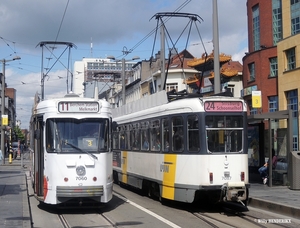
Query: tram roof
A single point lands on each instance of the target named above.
(163, 101)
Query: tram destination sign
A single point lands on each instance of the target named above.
(223, 106)
(76, 107)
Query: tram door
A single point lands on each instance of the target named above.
(39, 157)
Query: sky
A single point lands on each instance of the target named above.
(101, 28)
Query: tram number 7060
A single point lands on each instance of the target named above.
(81, 178)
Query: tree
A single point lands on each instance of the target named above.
(18, 134)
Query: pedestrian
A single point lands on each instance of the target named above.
(22, 148)
(265, 168)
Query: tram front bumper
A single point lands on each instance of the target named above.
(82, 191)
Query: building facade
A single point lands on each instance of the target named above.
(97, 69)
(230, 75)
(260, 63)
(272, 64)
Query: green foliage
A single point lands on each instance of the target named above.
(18, 133)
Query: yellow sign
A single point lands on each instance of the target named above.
(4, 120)
(256, 99)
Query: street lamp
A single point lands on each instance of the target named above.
(123, 73)
(3, 104)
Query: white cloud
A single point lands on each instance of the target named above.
(111, 25)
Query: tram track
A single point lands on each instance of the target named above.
(225, 218)
(103, 220)
(63, 221)
(207, 216)
(113, 224)
(245, 220)
(213, 221)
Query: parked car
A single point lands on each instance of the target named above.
(15, 148)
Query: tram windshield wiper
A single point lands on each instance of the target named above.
(72, 145)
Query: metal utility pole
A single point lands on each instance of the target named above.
(217, 81)
(2, 114)
(162, 53)
(123, 81)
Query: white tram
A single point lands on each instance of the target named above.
(72, 154)
(183, 149)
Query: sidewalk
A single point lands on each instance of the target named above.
(14, 205)
(278, 199)
(15, 208)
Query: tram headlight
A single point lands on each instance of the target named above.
(80, 170)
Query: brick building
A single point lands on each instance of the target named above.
(272, 64)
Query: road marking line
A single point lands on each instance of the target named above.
(148, 211)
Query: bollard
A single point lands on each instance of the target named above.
(10, 158)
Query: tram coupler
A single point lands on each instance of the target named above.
(233, 191)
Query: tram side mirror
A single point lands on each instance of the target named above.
(114, 125)
(37, 134)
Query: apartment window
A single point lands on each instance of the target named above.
(292, 103)
(101, 66)
(291, 59)
(295, 143)
(171, 86)
(277, 20)
(295, 16)
(273, 103)
(255, 24)
(89, 66)
(251, 68)
(294, 1)
(273, 67)
(231, 89)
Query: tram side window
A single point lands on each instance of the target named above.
(165, 135)
(122, 140)
(145, 136)
(178, 135)
(52, 142)
(116, 144)
(193, 134)
(103, 134)
(127, 138)
(155, 135)
(135, 137)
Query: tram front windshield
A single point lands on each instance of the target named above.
(224, 133)
(67, 135)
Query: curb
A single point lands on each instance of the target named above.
(27, 220)
(292, 212)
